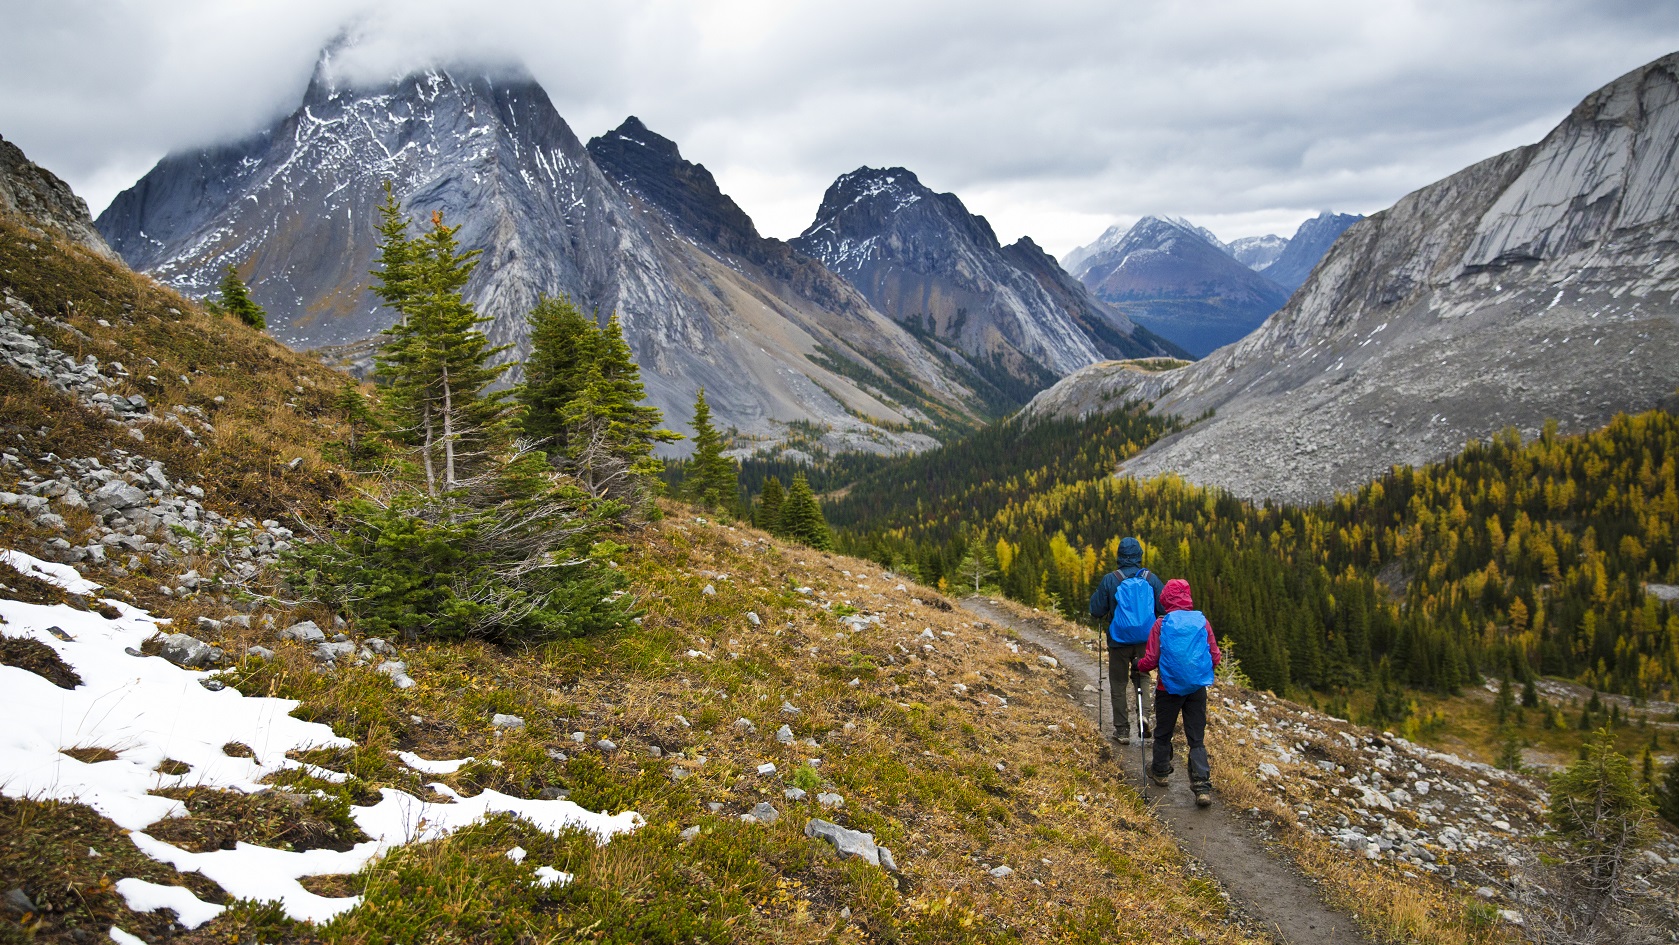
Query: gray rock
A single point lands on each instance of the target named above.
(830, 800)
(507, 722)
(398, 673)
(260, 652)
(607, 745)
(18, 901)
(333, 652)
(794, 794)
(690, 832)
(554, 793)
(767, 768)
(188, 652)
(766, 813)
(784, 735)
(709, 591)
(303, 632)
(1000, 872)
(847, 842)
(379, 646)
(787, 708)
(744, 725)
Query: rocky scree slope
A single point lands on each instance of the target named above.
(1537, 284)
(1173, 280)
(293, 207)
(924, 260)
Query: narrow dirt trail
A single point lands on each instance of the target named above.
(1265, 886)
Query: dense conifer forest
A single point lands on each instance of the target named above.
(1510, 560)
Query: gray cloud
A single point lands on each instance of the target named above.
(1053, 119)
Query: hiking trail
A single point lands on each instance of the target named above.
(1228, 845)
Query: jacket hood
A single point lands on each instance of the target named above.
(1175, 596)
(1130, 553)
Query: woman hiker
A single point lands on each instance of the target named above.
(1126, 601)
(1182, 646)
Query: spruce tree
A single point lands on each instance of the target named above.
(1667, 794)
(767, 515)
(801, 516)
(712, 477)
(618, 431)
(1598, 808)
(564, 343)
(438, 363)
(236, 300)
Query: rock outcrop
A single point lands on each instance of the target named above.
(1539, 284)
(37, 196)
(293, 208)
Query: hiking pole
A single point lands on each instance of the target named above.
(1142, 732)
(1099, 648)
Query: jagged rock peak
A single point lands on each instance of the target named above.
(38, 197)
(652, 167)
(1308, 246)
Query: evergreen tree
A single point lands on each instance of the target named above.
(437, 362)
(564, 342)
(1598, 808)
(1504, 702)
(1530, 694)
(767, 515)
(1667, 794)
(713, 478)
(801, 516)
(235, 299)
(610, 433)
(360, 445)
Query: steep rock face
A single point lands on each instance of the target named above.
(37, 196)
(1258, 252)
(1314, 237)
(1535, 285)
(293, 208)
(845, 334)
(1167, 277)
(921, 258)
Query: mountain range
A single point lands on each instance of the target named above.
(624, 225)
(1537, 285)
(1181, 282)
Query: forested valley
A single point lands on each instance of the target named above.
(1511, 561)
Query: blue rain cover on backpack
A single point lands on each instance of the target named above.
(1133, 609)
(1186, 663)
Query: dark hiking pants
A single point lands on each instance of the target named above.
(1121, 657)
(1194, 710)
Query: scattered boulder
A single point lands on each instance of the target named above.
(849, 842)
(507, 723)
(745, 726)
(784, 735)
(189, 652)
(398, 673)
(333, 652)
(830, 800)
(304, 632)
(765, 813)
(1000, 872)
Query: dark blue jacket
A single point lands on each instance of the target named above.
(1130, 559)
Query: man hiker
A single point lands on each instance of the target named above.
(1126, 601)
(1182, 645)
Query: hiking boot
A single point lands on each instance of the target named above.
(1122, 738)
(1203, 797)
(1161, 778)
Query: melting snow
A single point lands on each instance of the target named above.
(148, 710)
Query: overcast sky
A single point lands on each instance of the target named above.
(1054, 119)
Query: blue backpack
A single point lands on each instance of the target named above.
(1186, 663)
(1133, 609)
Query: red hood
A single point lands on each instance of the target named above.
(1175, 596)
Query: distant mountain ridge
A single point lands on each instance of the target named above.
(292, 207)
(1308, 245)
(1009, 313)
(1177, 281)
(1536, 285)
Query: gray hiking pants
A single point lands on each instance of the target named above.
(1121, 657)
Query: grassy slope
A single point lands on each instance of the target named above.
(954, 783)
